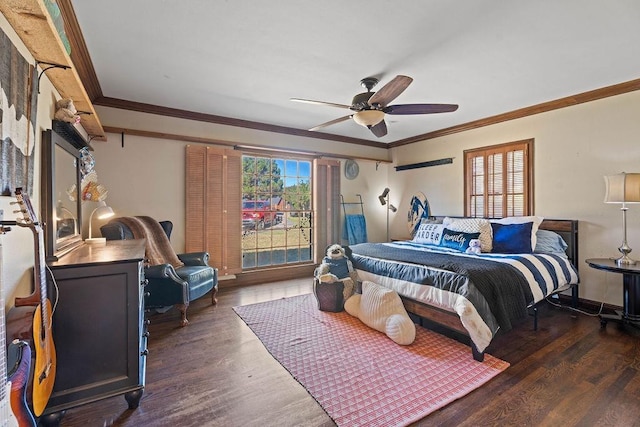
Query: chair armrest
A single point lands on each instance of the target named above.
(195, 258)
(162, 271)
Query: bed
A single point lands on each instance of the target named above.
(476, 295)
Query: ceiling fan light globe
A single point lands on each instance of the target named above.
(368, 118)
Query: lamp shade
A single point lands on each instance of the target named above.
(383, 197)
(622, 188)
(368, 118)
(102, 211)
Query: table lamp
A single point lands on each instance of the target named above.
(623, 188)
(102, 212)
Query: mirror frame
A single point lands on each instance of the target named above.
(55, 248)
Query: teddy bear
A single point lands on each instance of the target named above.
(336, 266)
(381, 308)
(66, 111)
(474, 247)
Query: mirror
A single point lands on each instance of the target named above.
(61, 202)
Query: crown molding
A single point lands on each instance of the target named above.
(592, 95)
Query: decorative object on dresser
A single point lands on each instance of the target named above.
(623, 188)
(174, 279)
(103, 212)
(44, 374)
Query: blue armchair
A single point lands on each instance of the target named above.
(169, 285)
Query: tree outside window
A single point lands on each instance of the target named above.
(276, 211)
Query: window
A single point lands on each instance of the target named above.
(499, 180)
(276, 211)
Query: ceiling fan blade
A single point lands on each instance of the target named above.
(380, 129)
(390, 91)
(420, 108)
(310, 101)
(332, 122)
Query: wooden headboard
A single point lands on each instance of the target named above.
(568, 229)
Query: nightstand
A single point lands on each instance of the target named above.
(630, 313)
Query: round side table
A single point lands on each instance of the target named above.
(630, 313)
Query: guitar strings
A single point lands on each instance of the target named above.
(55, 286)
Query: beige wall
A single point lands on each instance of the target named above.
(574, 148)
(146, 176)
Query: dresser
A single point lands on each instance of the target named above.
(98, 325)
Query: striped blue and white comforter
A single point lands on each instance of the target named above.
(487, 291)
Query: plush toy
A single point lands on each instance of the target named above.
(338, 264)
(381, 308)
(66, 111)
(474, 247)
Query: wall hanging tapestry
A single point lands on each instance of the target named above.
(18, 108)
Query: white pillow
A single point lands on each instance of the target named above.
(472, 225)
(429, 234)
(536, 220)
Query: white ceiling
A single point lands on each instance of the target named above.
(245, 59)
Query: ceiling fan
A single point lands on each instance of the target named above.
(370, 107)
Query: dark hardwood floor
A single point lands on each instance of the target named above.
(215, 372)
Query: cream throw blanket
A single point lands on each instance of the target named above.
(158, 249)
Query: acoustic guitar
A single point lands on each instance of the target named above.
(45, 363)
(14, 411)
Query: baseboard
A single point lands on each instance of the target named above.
(268, 275)
(589, 305)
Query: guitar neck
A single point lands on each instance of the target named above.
(39, 294)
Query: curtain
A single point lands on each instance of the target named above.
(326, 205)
(213, 207)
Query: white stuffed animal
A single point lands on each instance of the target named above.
(381, 308)
(337, 264)
(474, 247)
(66, 111)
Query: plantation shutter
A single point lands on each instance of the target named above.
(326, 205)
(499, 180)
(213, 207)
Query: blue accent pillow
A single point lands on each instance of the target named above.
(512, 238)
(549, 242)
(457, 240)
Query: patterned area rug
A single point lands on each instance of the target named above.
(358, 375)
